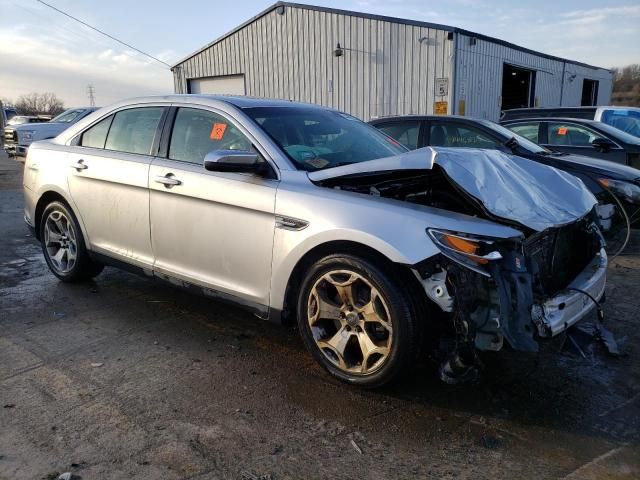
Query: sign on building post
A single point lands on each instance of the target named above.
(442, 87)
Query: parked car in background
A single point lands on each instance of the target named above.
(626, 119)
(599, 176)
(22, 119)
(299, 211)
(6, 113)
(9, 113)
(580, 137)
(18, 138)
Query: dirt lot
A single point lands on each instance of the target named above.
(129, 378)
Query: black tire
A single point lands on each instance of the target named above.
(83, 267)
(391, 287)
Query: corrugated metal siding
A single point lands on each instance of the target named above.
(387, 68)
(573, 77)
(479, 78)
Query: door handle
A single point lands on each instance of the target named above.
(168, 180)
(79, 165)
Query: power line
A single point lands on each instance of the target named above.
(103, 33)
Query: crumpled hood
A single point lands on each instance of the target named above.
(508, 186)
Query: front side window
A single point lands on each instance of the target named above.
(406, 133)
(133, 130)
(453, 135)
(526, 130)
(315, 138)
(96, 136)
(197, 132)
(569, 135)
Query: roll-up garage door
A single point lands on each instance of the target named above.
(224, 85)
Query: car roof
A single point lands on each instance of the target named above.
(209, 99)
(586, 121)
(422, 117)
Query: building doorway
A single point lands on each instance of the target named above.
(518, 87)
(589, 93)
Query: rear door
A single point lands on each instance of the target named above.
(577, 139)
(213, 229)
(108, 181)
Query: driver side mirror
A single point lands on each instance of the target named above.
(239, 161)
(602, 145)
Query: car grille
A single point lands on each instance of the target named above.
(560, 254)
(10, 136)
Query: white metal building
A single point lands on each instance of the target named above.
(372, 66)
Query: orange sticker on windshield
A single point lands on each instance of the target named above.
(562, 131)
(217, 132)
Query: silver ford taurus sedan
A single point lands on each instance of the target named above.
(302, 212)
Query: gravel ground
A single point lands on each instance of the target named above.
(125, 377)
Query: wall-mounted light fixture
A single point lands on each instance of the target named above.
(339, 51)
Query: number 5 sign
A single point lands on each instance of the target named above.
(442, 87)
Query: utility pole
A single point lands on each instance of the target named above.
(91, 91)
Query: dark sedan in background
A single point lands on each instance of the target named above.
(581, 137)
(599, 176)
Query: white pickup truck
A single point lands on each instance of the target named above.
(17, 138)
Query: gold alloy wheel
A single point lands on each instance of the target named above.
(350, 322)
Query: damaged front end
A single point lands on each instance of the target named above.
(521, 290)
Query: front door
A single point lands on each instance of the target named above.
(211, 229)
(108, 181)
(577, 139)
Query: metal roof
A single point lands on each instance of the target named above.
(384, 18)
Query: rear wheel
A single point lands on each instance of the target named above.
(63, 245)
(357, 321)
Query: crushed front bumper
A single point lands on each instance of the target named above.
(568, 307)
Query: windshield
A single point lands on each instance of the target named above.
(625, 121)
(17, 120)
(315, 139)
(69, 116)
(618, 134)
(526, 144)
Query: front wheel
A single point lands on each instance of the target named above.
(63, 245)
(357, 321)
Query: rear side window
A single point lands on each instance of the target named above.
(96, 136)
(526, 130)
(444, 134)
(133, 130)
(569, 135)
(407, 133)
(197, 132)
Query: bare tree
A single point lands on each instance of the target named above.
(40, 104)
(626, 85)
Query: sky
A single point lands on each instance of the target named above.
(43, 51)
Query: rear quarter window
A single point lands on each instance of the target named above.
(133, 130)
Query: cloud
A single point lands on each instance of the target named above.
(41, 51)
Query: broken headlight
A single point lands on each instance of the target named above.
(468, 250)
(626, 190)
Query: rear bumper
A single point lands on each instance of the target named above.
(569, 307)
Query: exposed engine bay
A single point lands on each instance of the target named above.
(521, 290)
